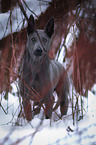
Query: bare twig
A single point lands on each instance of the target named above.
(22, 9)
(29, 9)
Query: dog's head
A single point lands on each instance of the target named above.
(38, 42)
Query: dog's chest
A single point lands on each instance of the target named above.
(39, 80)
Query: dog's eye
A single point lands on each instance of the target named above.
(44, 40)
(33, 39)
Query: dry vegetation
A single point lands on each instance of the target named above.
(81, 54)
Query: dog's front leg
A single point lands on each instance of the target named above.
(27, 109)
(25, 83)
(49, 107)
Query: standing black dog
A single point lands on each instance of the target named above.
(41, 76)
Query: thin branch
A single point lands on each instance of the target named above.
(6, 27)
(29, 8)
(22, 9)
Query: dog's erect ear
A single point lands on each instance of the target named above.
(50, 27)
(31, 25)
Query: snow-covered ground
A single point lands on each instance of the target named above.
(60, 132)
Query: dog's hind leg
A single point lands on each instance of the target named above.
(63, 102)
(62, 91)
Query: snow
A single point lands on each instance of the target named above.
(82, 133)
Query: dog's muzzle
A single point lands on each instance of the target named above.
(38, 52)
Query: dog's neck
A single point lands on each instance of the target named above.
(40, 66)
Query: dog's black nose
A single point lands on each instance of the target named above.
(38, 52)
